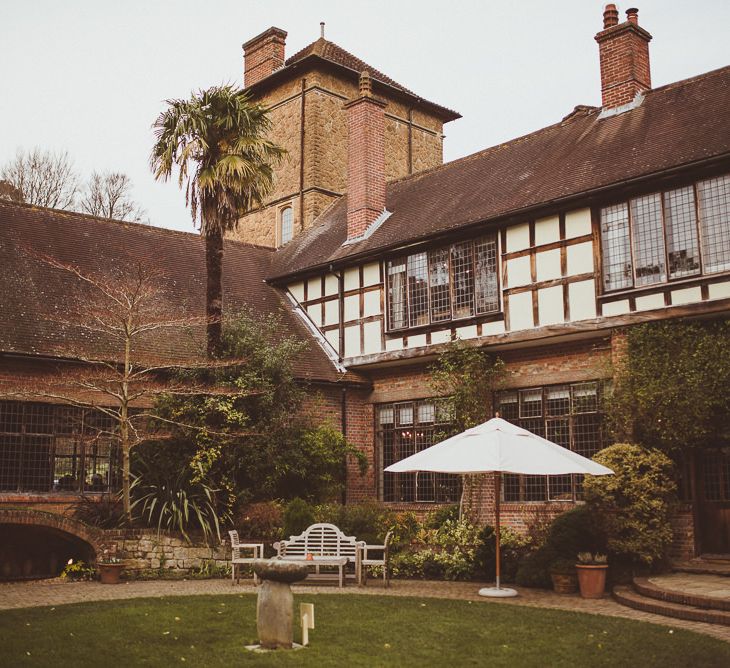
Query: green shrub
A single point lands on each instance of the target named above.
(563, 566)
(633, 506)
(534, 570)
(437, 518)
(262, 521)
(105, 511)
(78, 570)
(368, 521)
(513, 548)
(298, 515)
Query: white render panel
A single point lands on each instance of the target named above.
(333, 336)
(371, 303)
(371, 337)
(518, 237)
(550, 305)
(686, 296)
(580, 258)
(394, 344)
(619, 307)
(582, 300)
(416, 340)
(352, 341)
(314, 288)
(520, 311)
(352, 278)
(330, 285)
(719, 290)
(371, 274)
(332, 312)
(648, 302)
(492, 328)
(297, 291)
(352, 307)
(518, 272)
(442, 336)
(547, 230)
(468, 332)
(547, 265)
(315, 314)
(577, 223)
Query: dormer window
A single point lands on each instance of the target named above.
(444, 284)
(286, 225)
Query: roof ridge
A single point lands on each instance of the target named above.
(692, 79)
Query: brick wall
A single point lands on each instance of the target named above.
(263, 55)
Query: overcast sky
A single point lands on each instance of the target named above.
(90, 76)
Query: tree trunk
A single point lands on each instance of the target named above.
(214, 290)
(126, 485)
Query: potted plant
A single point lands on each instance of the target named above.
(563, 575)
(110, 569)
(591, 569)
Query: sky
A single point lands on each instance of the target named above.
(90, 76)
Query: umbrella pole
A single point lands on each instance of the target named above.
(497, 494)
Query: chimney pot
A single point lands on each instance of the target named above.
(632, 14)
(610, 16)
(366, 84)
(321, 29)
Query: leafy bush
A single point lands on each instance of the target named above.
(263, 521)
(438, 517)
(105, 511)
(563, 566)
(78, 570)
(571, 532)
(513, 548)
(368, 521)
(298, 515)
(634, 505)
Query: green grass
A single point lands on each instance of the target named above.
(350, 630)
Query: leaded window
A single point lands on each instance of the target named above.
(451, 283)
(287, 224)
(402, 429)
(55, 448)
(664, 236)
(568, 415)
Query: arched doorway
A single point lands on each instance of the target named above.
(36, 544)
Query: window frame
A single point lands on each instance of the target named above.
(449, 286)
(280, 224)
(667, 219)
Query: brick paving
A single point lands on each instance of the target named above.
(56, 592)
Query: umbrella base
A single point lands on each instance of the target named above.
(497, 592)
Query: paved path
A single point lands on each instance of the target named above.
(55, 592)
(713, 586)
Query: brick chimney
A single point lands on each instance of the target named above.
(263, 55)
(624, 54)
(365, 159)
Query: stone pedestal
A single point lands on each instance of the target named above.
(275, 604)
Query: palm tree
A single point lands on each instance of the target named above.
(217, 141)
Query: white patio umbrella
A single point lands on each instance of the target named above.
(498, 446)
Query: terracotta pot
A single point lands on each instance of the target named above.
(592, 579)
(109, 573)
(564, 583)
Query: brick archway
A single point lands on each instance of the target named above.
(91, 535)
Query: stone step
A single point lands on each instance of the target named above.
(627, 596)
(646, 587)
(702, 567)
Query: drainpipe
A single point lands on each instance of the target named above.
(343, 424)
(410, 140)
(301, 159)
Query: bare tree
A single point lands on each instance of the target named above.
(108, 195)
(43, 178)
(126, 318)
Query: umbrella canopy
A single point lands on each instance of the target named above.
(498, 446)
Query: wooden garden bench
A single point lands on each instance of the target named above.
(323, 546)
(243, 554)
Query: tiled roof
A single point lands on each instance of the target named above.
(335, 54)
(33, 294)
(677, 125)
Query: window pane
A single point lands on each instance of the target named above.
(511, 487)
(557, 400)
(397, 316)
(646, 223)
(485, 256)
(462, 272)
(287, 224)
(530, 403)
(681, 225)
(438, 261)
(617, 270)
(10, 449)
(714, 201)
(418, 289)
(508, 406)
(585, 397)
(587, 439)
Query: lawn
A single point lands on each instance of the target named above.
(351, 630)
